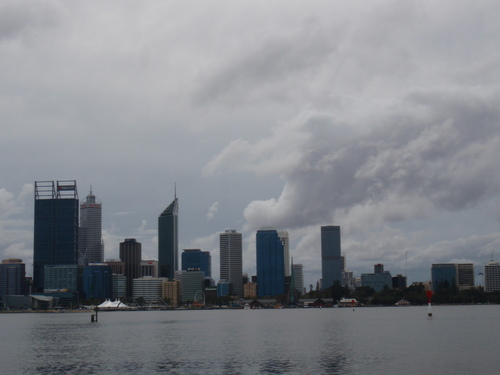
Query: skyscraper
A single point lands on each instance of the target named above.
(231, 261)
(492, 277)
(452, 276)
(197, 259)
(55, 227)
(444, 276)
(130, 255)
(12, 277)
(283, 235)
(270, 263)
(90, 244)
(168, 241)
(98, 281)
(298, 277)
(331, 260)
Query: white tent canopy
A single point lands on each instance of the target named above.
(108, 304)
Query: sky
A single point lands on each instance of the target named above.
(378, 116)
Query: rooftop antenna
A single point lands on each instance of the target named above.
(175, 190)
(90, 189)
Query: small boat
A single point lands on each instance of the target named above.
(402, 302)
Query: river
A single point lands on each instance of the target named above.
(368, 340)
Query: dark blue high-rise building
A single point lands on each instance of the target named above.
(270, 263)
(331, 259)
(98, 281)
(168, 242)
(12, 277)
(196, 259)
(444, 275)
(55, 227)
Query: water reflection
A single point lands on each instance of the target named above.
(276, 366)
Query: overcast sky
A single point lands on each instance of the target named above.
(382, 117)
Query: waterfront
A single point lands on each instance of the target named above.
(390, 340)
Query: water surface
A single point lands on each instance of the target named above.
(390, 340)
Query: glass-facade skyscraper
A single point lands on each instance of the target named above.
(98, 281)
(298, 277)
(283, 235)
(130, 255)
(452, 276)
(197, 259)
(55, 239)
(231, 261)
(90, 244)
(168, 243)
(270, 263)
(331, 259)
(12, 277)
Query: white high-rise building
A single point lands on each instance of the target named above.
(90, 244)
(150, 288)
(348, 279)
(283, 235)
(492, 277)
(231, 261)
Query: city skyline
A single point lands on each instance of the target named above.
(380, 117)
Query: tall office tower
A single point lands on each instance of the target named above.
(168, 241)
(90, 244)
(465, 272)
(196, 259)
(55, 227)
(12, 277)
(298, 277)
(452, 275)
(492, 277)
(283, 235)
(231, 261)
(443, 276)
(331, 260)
(270, 263)
(130, 254)
(98, 281)
(378, 268)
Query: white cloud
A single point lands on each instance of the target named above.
(212, 210)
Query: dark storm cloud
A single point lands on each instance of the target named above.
(266, 64)
(23, 18)
(441, 147)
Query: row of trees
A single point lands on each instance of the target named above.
(415, 294)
